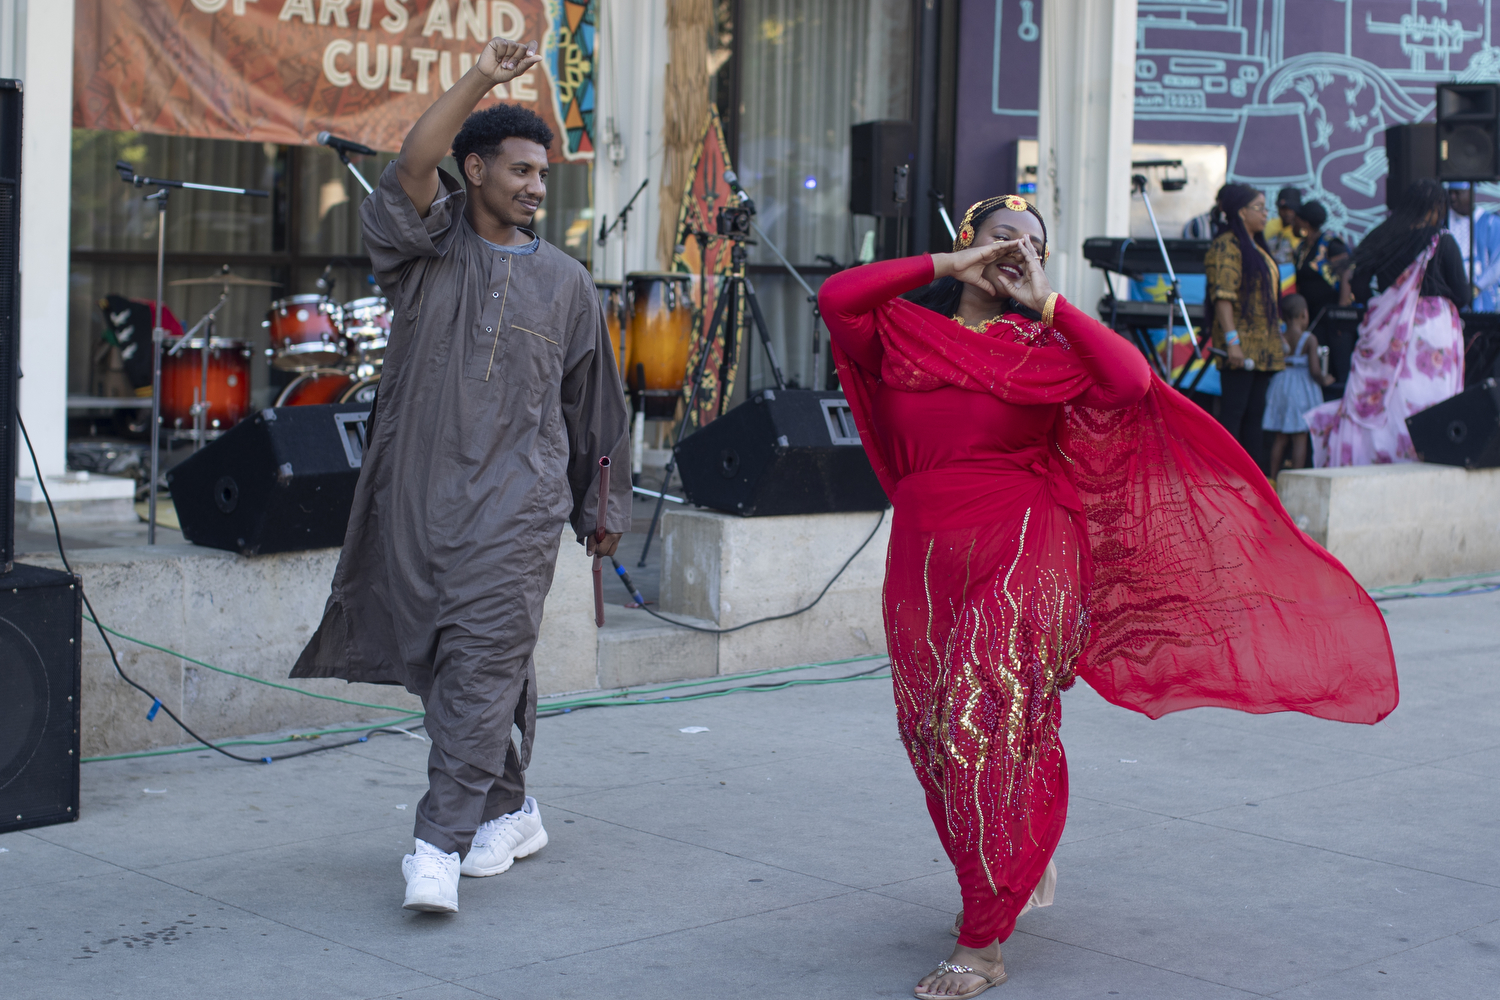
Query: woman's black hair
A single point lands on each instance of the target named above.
(944, 294)
(1256, 277)
(1391, 246)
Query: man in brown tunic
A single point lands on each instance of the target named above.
(499, 395)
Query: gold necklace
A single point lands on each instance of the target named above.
(976, 327)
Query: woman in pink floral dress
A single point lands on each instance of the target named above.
(1410, 350)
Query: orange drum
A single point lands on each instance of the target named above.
(661, 333)
(306, 332)
(327, 385)
(228, 391)
(367, 327)
(617, 319)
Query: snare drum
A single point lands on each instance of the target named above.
(306, 332)
(367, 328)
(661, 334)
(616, 319)
(228, 390)
(328, 385)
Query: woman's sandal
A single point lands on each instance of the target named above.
(962, 970)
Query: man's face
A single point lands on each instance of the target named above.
(512, 184)
(1287, 212)
(1461, 200)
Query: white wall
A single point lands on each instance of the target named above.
(36, 45)
(632, 57)
(1085, 122)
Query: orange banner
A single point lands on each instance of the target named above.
(284, 70)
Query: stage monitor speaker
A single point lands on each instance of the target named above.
(10, 310)
(785, 451)
(1410, 154)
(1464, 430)
(1468, 131)
(41, 621)
(279, 481)
(882, 155)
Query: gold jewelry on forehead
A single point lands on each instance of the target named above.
(1012, 202)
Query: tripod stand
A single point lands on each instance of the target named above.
(736, 293)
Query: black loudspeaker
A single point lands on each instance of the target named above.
(1464, 430)
(882, 156)
(1410, 154)
(785, 451)
(279, 481)
(41, 622)
(10, 308)
(1468, 131)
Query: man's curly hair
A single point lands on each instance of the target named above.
(484, 131)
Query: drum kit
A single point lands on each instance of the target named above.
(336, 350)
(650, 320)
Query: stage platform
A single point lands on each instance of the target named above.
(252, 615)
(1400, 523)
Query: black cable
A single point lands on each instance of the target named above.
(789, 614)
(114, 658)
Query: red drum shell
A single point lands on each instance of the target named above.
(321, 385)
(306, 332)
(228, 383)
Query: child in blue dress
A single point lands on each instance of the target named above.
(1295, 389)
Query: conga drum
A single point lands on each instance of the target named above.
(661, 335)
(227, 391)
(617, 319)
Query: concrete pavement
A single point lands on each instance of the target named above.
(786, 852)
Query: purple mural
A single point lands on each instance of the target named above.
(1297, 92)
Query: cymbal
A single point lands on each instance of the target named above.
(225, 278)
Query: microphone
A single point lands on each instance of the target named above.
(343, 145)
(733, 180)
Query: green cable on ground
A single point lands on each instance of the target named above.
(236, 673)
(1442, 579)
(634, 693)
(668, 699)
(297, 737)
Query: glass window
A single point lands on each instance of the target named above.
(808, 71)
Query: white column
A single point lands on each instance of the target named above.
(1084, 130)
(631, 56)
(45, 60)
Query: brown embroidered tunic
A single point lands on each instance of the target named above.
(498, 397)
(1260, 334)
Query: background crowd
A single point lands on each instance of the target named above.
(1433, 256)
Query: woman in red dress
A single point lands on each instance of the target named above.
(1059, 512)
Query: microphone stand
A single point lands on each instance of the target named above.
(354, 170)
(623, 222)
(159, 332)
(1174, 292)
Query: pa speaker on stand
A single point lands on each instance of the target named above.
(1464, 430)
(1468, 131)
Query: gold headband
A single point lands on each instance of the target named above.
(1010, 202)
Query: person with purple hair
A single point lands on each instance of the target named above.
(1242, 284)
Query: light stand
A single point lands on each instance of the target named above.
(159, 332)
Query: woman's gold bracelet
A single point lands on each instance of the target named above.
(1048, 308)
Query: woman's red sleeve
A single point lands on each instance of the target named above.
(847, 302)
(1119, 371)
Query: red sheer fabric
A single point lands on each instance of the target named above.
(1060, 511)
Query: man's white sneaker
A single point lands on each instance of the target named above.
(501, 841)
(431, 879)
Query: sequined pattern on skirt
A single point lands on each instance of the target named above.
(984, 625)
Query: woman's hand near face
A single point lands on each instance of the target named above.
(969, 266)
(1023, 280)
